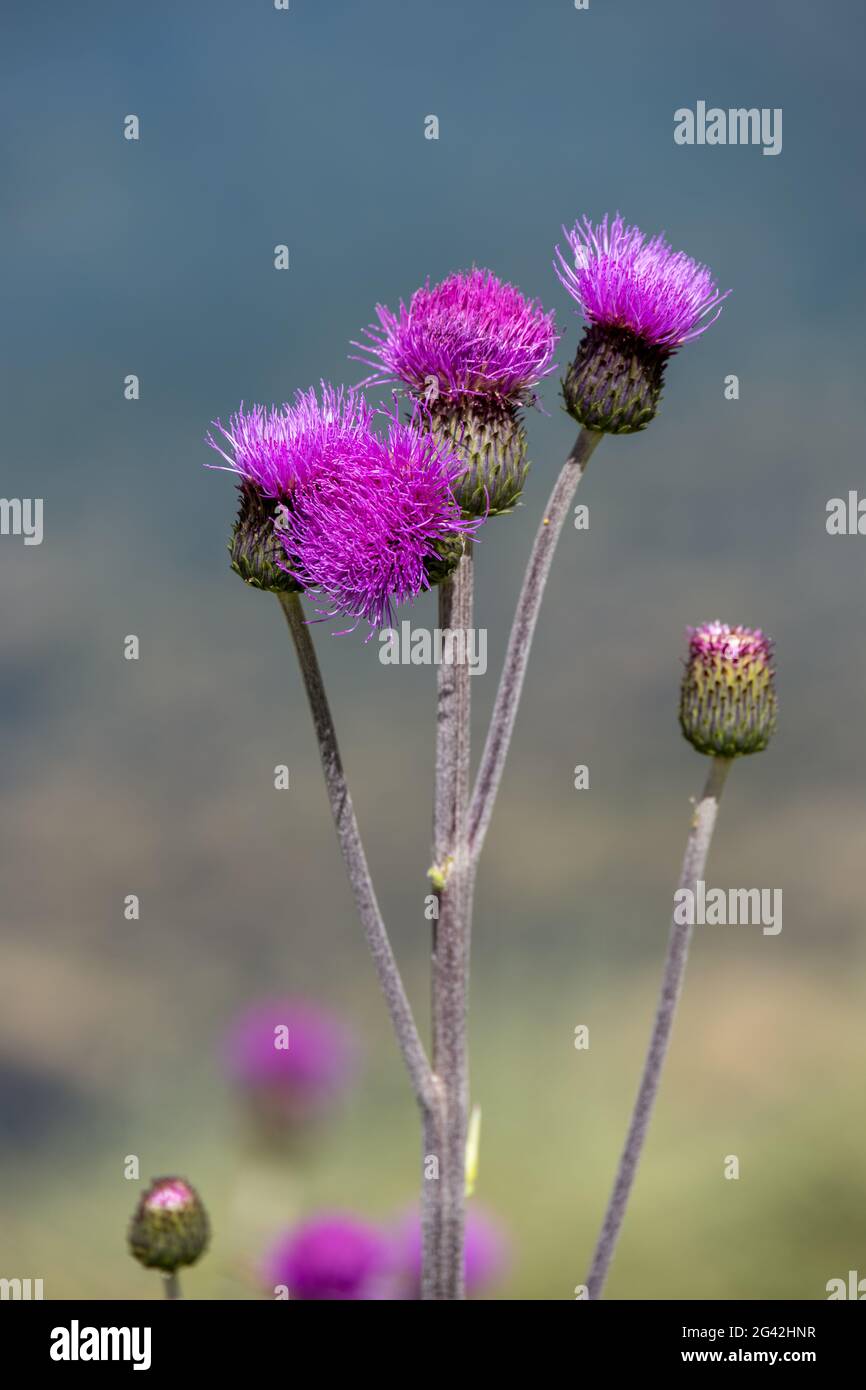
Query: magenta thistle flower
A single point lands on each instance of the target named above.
(642, 301)
(328, 502)
(270, 451)
(333, 1256)
(291, 1059)
(472, 348)
(275, 449)
(485, 1253)
(728, 701)
(382, 526)
(470, 335)
(623, 279)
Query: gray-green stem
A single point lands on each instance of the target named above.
(348, 834)
(520, 640)
(694, 862)
(445, 1196)
(172, 1285)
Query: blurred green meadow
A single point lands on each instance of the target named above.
(766, 1065)
(155, 777)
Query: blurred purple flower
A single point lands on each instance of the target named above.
(486, 1253)
(329, 1256)
(292, 1056)
(470, 335)
(622, 279)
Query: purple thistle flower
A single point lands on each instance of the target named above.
(291, 1059)
(470, 335)
(728, 699)
(275, 449)
(333, 1256)
(472, 348)
(718, 640)
(272, 450)
(328, 503)
(622, 279)
(485, 1253)
(382, 526)
(642, 301)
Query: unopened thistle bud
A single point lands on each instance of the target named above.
(642, 301)
(471, 349)
(728, 699)
(257, 553)
(169, 1227)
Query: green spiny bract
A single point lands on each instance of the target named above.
(488, 434)
(256, 550)
(614, 384)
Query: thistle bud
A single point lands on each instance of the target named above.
(169, 1227)
(257, 552)
(614, 384)
(728, 699)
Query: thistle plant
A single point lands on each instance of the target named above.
(361, 510)
(642, 301)
(472, 349)
(727, 710)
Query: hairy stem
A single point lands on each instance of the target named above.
(520, 640)
(349, 836)
(694, 861)
(446, 1198)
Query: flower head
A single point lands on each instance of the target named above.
(275, 449)
(471, 335)
(330, 502)
(270, 452)
(170, 1226)
(728, 700)
(333, 1256)
(622, 279)
(642, 301)
(290, 1057)
(485, 1253)
(473, 349)
(374, 531)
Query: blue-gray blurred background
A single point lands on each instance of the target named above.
(155, 777)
